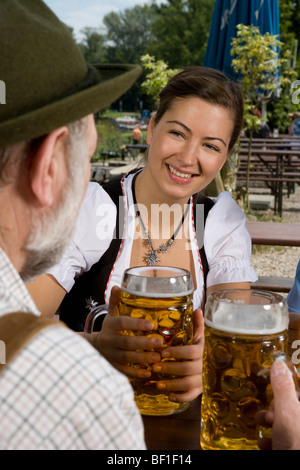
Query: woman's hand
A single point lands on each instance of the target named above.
(120, 349)
(187, 365)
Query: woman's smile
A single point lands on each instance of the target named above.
(179, 176)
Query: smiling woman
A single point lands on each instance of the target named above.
(211, 86)
(198, 120)
(188, 145)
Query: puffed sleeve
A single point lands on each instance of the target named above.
(94, 232)
(227, 243)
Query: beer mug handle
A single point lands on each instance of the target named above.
(95, 312)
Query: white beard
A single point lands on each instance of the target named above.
(51, 233)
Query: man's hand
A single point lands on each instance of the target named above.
(284, 416)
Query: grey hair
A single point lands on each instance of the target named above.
(12, 156)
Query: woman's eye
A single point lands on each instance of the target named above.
(176, 133)
(212, 147)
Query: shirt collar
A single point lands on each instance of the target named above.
(14, 296)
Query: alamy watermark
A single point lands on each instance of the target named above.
(161, 221)
(295, 94)
(2, 353)
(295, 356)
(2, 92)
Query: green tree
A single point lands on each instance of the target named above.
(295, 27)
(129, 33)
(93, 46)
(280, 109)
(71, 30)
(128, 36)
(157, 75)
(180, 31)
(256, 59)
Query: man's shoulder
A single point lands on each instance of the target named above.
(59, 351)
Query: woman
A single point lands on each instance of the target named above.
(198, 120)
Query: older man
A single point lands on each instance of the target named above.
(56, 391)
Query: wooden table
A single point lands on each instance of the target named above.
(180, 431)
(278, 169)
(274, 233)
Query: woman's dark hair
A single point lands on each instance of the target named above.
(209, 85)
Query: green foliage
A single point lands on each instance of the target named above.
(111, 138)
(93, 46)
(256, 60)
(158, 74)
(175, 31)
(129, 33)
(180, 31)
(280, 110)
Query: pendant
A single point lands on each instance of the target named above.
(152, 258)
(163, 248)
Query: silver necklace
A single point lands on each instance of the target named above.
(152, 257)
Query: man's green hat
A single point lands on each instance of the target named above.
(47, 81)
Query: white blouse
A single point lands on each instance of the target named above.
(226, 240)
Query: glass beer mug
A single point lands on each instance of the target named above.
(244, 332)
(162, 295)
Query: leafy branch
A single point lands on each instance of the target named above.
(157, 77)
(259, 65)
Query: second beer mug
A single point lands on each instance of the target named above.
(244, 330)
(162, 295)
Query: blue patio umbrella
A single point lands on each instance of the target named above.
(227, 15)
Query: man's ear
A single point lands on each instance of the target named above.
(47, 162)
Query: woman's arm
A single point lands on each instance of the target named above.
(231, 285)
(47, 294)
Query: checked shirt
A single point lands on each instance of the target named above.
(59, 392)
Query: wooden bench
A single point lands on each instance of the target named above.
(288, 175)
(275, 183)
(282, 141)
(273, 284)
(274, 234)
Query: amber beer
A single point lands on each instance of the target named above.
(241, 342)
(171, 315)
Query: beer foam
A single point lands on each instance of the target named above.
(157, 281)
(156, 295)
(248, 319)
